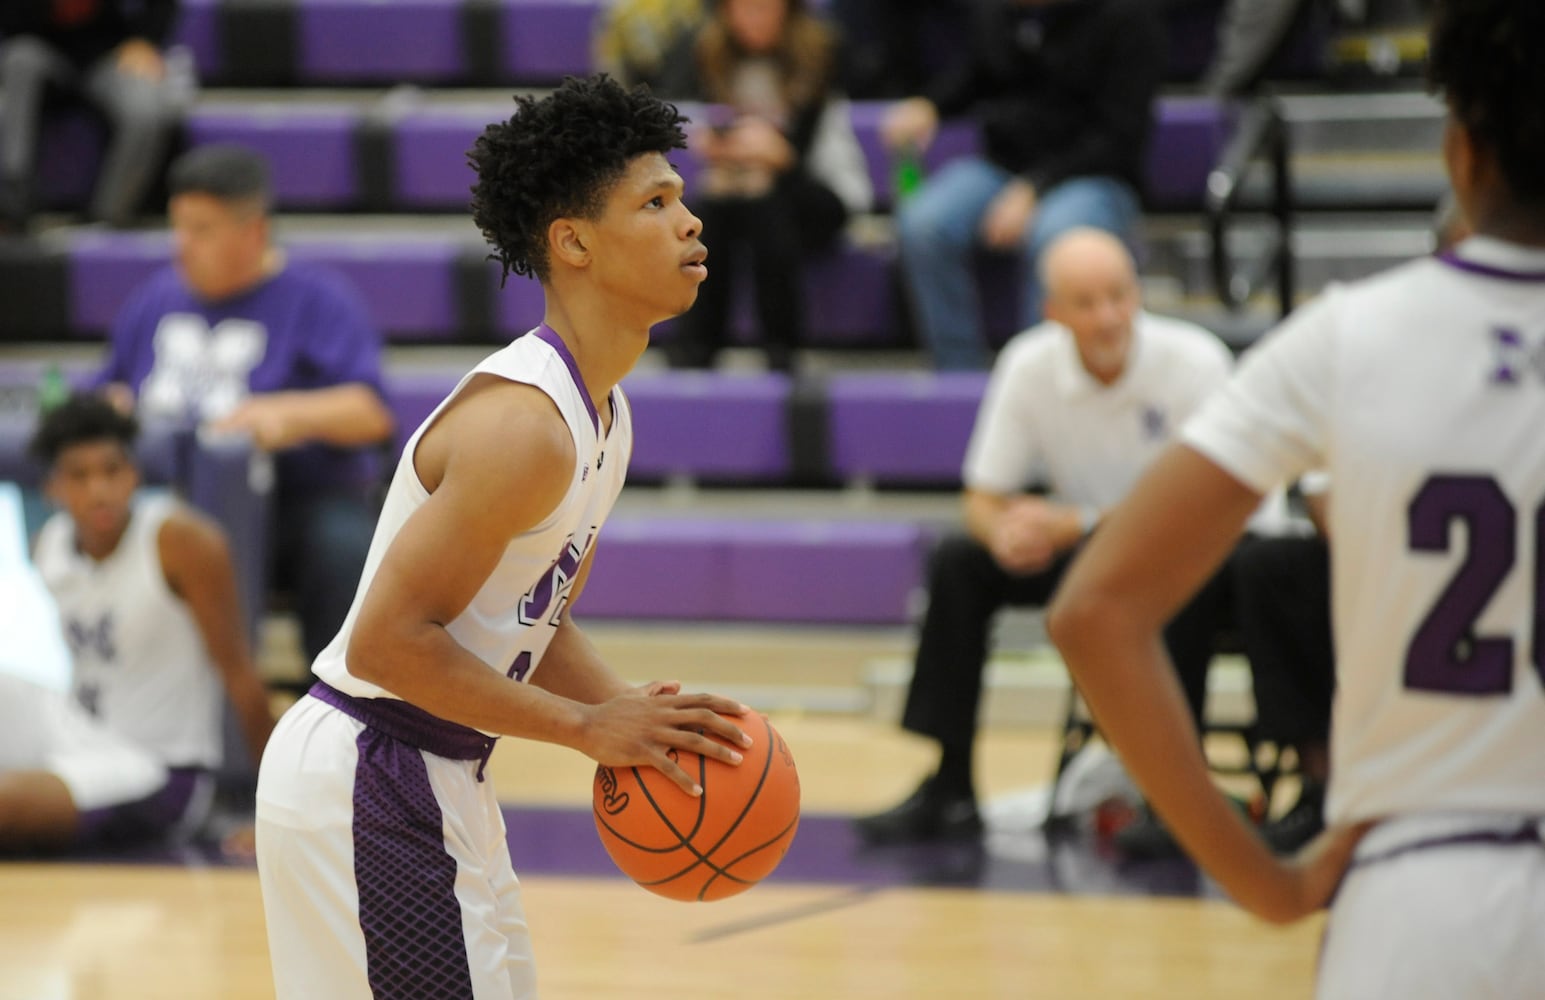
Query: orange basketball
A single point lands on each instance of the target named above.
(710, 846)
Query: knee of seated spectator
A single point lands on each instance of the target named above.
(23, 57)
(958, 558)
(922, 228)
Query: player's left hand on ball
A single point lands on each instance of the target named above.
(641, 728)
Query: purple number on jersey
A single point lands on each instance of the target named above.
(1446, 655)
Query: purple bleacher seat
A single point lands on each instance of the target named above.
(197, 29)
(70, 148)
(904, 427)
(671, 568)
(518, 307)
(408, 280)
(343, 41)
(1188, 138)
(852, 296)
(413, 394)
(546, 40)
(822, 571)
(851, 571)
(430, 147)
(710, 425)
(310, 147)
(104, 269)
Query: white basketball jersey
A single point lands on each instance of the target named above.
(1422, 391)
(511, 619)
(140, 662)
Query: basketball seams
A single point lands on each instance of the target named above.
(678, 884)
(748, 853)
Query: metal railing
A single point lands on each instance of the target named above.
(1260, 140)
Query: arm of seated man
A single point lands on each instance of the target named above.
(346, 416)
(1023, 533)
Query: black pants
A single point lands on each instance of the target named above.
(765, 230)
(1282, 602)
(967, 587)
(141, 114)
(321, 543)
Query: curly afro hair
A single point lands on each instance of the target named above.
(559, 157)
(1485, 59)
(83, 418)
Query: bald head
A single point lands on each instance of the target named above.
(1091, 288)
(1083, 257)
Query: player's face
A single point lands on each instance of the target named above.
(646, 248)
(756, 25)
(219, 246)
(1099, 307)
(94, 481)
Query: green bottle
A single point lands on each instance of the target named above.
(53, 390)
(908, 176)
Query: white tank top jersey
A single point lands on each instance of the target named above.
(511, 619)
(139, 660)
(1422, 392)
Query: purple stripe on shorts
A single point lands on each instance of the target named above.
(408, 911)
(149, 818)
(1526, 834)
(410, 724)
(550, 337)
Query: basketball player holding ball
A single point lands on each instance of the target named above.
(381, 849)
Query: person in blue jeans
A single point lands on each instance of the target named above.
(1063, 92)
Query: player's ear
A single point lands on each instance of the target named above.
(567, 242)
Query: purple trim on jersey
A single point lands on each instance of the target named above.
(1527, 833)
(146, 819)
(408, 911)
(409, 724)
(1459, 263)
(545, 333)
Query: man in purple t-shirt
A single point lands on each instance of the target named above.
(236, 339)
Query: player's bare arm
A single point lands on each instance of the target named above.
(196, 561)
(1150, 554)
(497, 462)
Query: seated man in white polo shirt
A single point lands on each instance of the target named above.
(1080, 403)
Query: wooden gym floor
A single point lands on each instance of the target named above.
(1013, 917)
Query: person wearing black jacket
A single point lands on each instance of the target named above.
(108, 52)
(782, 169)
(1063, 91)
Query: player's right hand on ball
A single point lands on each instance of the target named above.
(642, 727)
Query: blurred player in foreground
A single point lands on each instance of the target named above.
(1422, 391)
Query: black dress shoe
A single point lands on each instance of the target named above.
(927, 814)
(1146, 838)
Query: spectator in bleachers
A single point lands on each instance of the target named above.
(147, 600)
(1063, 91)
(890, 45)
(239, 339)
(108, 53)
(1081, 403)
(782, 167)
(634, 37)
